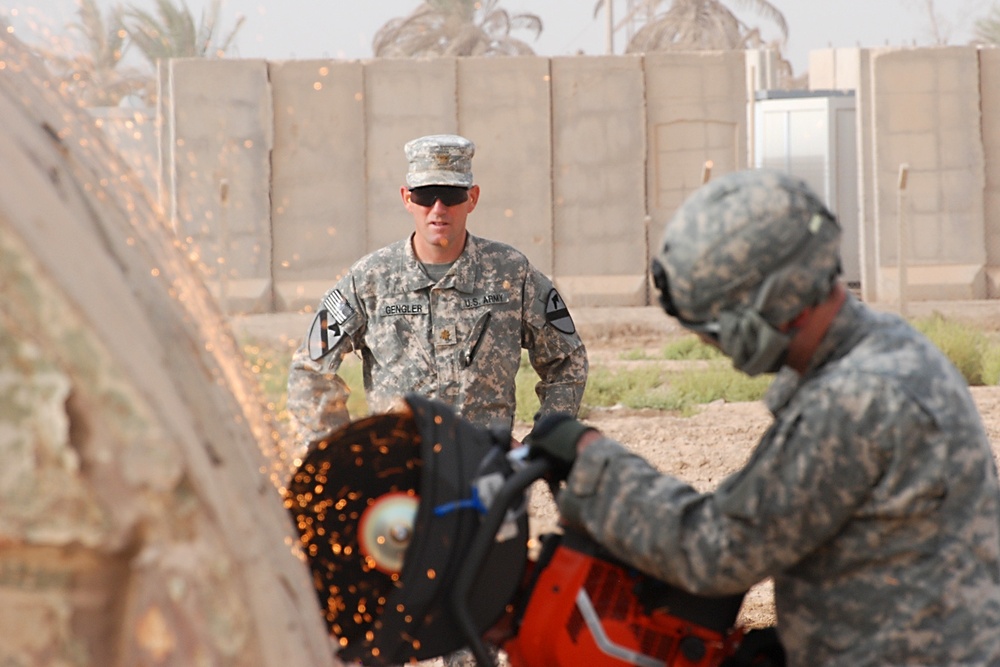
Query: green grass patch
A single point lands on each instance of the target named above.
(659, 389)
(991, 363)
(645, 387)
(687, 348)
(975, 353)
(720, 381)
(269, 362)
(690, 348)
(524, 391)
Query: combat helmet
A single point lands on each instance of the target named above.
(743, 256)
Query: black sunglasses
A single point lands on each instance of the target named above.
(448, 194)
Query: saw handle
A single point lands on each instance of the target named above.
(479, 549)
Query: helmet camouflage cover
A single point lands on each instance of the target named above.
(740, 230)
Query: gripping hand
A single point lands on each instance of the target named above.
(554, 438)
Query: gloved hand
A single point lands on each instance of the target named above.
(554, 438)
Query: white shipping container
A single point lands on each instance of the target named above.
(812, 135)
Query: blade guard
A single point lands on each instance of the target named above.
(417, 614)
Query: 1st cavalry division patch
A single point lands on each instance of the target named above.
(557, 314)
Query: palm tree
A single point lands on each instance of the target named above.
(455, 28)
(694, 25)
(987, 29)
(173, 34)
(95, 75)
(702, 25)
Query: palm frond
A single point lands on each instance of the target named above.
(987, 29)
(172, 33)
(702, 25)
(455, 28)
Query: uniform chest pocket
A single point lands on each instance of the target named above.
(397, 336)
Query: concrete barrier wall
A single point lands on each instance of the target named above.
(927, 116)
(505, 106)
(695, 108)
(218, 131)
(318, 180)
(312, 163)
(989, 76)
(598, 180)
(934, 110)
(282, 174)
(867, 233)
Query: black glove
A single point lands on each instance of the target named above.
(554, 438)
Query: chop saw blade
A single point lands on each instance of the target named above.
(353, 500)
(386, 529)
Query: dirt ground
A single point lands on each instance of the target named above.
(701, 449)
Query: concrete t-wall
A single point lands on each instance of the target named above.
(404, 98)
(564, 152)
(581, 161)
(989, 75)
(695, 106)
(926, 117)
(934, 111)
(598, 181)
(319, 207)
(505, 106)
(218, 131)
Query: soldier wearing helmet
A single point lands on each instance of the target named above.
(872, 500)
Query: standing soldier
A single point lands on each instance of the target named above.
(442, 313)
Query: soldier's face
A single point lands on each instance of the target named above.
(440, 229)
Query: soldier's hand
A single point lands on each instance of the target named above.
(554, 437)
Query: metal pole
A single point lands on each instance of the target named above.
(222, 265)
(706, 171)
(901, 236)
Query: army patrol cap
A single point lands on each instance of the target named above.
(439, 159)
(744, 229)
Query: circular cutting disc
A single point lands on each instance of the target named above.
(386, 529)
(370, 468)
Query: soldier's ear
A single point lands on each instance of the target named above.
(473, 197)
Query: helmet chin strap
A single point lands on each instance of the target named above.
(754, 345)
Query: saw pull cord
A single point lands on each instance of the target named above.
(479, 549)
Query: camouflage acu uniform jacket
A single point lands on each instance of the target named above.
(458, 341)
(872, 500)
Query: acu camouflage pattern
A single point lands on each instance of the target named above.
(458, 341)
(439, 159)
(736, 231)
(872, 500)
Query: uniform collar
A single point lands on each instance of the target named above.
(462, 276)
(851, 323)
